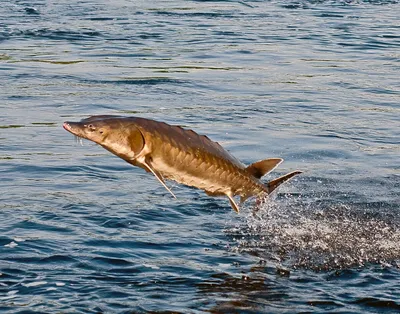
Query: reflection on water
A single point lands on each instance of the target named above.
(240, 293)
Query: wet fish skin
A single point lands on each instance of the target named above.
(172, 152)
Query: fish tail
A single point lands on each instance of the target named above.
(272, 185)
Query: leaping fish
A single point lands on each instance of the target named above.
(174, 153)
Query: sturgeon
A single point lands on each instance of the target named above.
(174, 153)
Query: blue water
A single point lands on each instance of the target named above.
(314, 82)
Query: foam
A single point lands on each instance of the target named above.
(291, 233)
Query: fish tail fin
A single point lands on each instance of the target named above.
(272, 185)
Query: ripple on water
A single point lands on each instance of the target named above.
(314, 82)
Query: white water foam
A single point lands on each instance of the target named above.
(291, 233)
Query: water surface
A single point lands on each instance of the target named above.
(316, 83)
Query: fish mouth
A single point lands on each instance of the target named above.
(73, 128)
(67, 127)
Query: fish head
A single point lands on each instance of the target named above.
(95, 128)
(117, 134)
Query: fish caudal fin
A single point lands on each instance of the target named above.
(272, 185)
(262, 167)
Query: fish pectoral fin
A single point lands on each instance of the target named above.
(158, 175)
(262, 167)
(233, 203)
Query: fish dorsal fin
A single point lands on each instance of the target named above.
(262, 167)
(272, 185)
(233, 203)
(158, 175)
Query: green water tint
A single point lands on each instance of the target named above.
(50, 61)
(12, 126)
(4, 57)
(44, 123)
(16, 126)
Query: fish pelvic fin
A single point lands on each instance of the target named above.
(262, 167)
(158, 175)
(272, 185)
(235, 207)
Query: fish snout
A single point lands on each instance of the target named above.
(74, 127)
(67, 126)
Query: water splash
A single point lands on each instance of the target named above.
(295, 234)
